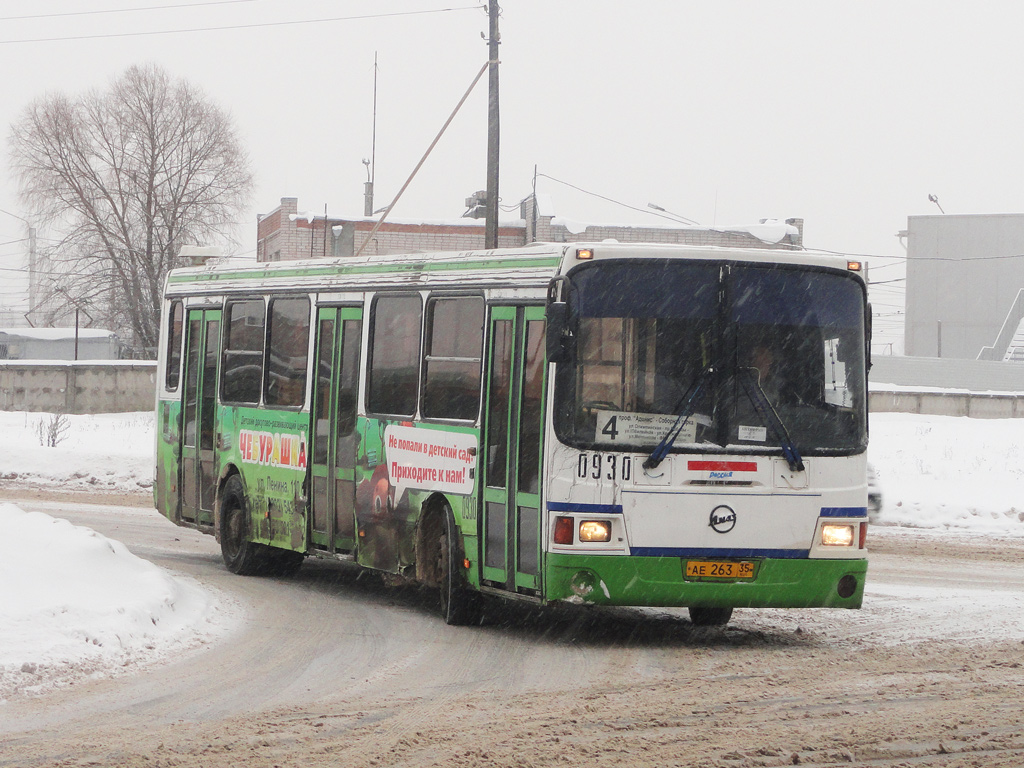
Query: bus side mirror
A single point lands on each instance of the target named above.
(557, 332)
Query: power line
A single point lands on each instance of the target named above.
(121, 10)
(240, 26)
(618, 202)
(908, 260)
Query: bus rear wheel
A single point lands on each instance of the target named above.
(704, 616)
(241, 556)
(460, 604)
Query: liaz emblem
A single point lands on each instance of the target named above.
(723, 519)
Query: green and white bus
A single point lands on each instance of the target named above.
(613, 424)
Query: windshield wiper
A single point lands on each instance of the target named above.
(768, 414)
(689, 398)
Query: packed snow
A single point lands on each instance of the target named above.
(77, 604)
(88, 607)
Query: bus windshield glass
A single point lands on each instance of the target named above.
(738, 357)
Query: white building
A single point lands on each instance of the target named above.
(58, 344)
(965, 287)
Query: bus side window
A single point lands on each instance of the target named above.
(284, 382)
(451, 363)
(242, 359)
(348, 384)
(531, 416)
(394, 355)
(175, 325)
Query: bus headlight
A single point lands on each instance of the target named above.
(595, 530)
(837, 535)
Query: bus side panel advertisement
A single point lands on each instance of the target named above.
(398, 468)
(271, 449)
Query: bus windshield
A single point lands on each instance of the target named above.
(732, 356)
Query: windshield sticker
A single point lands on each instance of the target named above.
(836, 391)
(640, 428)
(753, 434)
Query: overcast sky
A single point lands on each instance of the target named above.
(847, 115)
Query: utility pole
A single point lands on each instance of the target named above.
(491, 222)
(33, 270)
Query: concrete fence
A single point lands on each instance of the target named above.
(976, 405)
(90, 386)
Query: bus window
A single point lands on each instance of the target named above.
(530, 415)
(349, 377)
(242, 364)
(175, 324)
(195, 329)
(497, 417)
(451, 365)
(322, 402)
(284, 385)
(395, 355)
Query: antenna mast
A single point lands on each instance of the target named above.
(372, 162)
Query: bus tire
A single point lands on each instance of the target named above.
(460, 604)
(705, 616)
(241, 556)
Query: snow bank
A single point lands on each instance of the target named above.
(949, 472)
(77, 604)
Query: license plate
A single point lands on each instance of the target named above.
(719, 569)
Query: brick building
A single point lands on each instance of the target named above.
(285, 234)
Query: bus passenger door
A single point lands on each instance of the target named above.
(512, 444)
(198, 454)
(332, 468)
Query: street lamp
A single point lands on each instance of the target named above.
(78, 309)
(676, 216)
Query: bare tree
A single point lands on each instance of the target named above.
(126, 177)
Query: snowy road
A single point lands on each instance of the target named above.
(332, 669)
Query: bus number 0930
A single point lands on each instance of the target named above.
(604, 466)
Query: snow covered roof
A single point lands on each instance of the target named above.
(771, 231)
(56, 334)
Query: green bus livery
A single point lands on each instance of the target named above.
(606, 424)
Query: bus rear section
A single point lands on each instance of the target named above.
(708, 436)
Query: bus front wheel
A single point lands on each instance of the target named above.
(703, 616)
(460, 604)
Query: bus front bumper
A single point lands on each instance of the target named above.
(661, 582)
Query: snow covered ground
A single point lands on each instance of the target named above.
(949, 472)
(90, 607)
